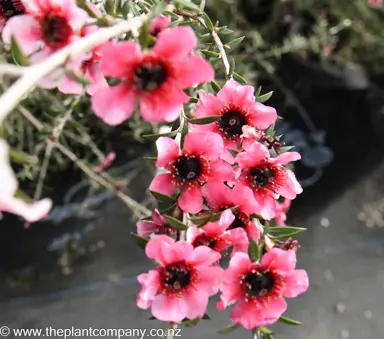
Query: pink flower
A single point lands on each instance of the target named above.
(157, 78)
(49, 24)
(198, 163)
(267, 177)
(216, 235)
(281, 211)
(88, 68)
(375, 3)
(8, 202)
(9, 9)
(106, 163)
(259, 288)
(159, 24)
(158, 225)
(220, 197)
(237, 106)
(181, 285)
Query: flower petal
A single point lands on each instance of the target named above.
(197, 302)
(175, 43)
(228, 93)
(118, 59)
(150, 283)
(167, 308)
(262, 116)
(163, 183)
(217, 194)
(114, 104)
(167, 151)
(68, 85)
(202, 257)
(221, 171)
(207, 105)
(291, 186)
(296, 282)
(243, 196)
(210, 279)
(30, 212)
(25, 29)
(208, 144)
(280, 261)
(286, 158)
(192, 233)
(145, 228)
(191, 200)
(157, 248)
(194, 70)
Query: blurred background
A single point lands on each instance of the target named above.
(324, 60)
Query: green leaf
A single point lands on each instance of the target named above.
(206, 120)
(234, 43)
(253, 251)
(206, 317)
(141, 241)
(232, 65)
(162, 197)
(239, 78)
(264, 97)
(22, 158)
(289, 321)
(184, 133)
(233, 152)
(224, 30)
(229, 328)
(17, 54)
(156, 136)
(190, 323)
(151, 159)
(210, 53)
(285, 149)
(215, 86)
(125, 9)
(144, 34)
(270, 130)
(184, 23)
(171, 14)
(258, 91)
(175, 223)
(84, 5)
(208, 21)
(23, 196)
(187, 4)
(110, 7)
(151, 318)
(265, 330)
(284, 231)
(193, 100)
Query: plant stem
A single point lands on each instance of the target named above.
(33, 74)
(223, 54)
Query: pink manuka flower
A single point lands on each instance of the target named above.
(375, 3)
(89, 68)
(158, 225)
(267, 177)
(216, 235)
(48, 25)
(282, 209)
(259, 288)
(220, 197)
(159, 24)
(237, 106)
(8, 202)
(198, 163)
(181, 285)
(156, 77)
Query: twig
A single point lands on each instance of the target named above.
(12, 70)
(222, 51)
(33, 74)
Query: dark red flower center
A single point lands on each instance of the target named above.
(188, 168)
(261, 176)
(258, 283)
(150, 76)
(10, 8)
(177, 276)
(241, 220)
(204, 240)
(289, 244)
(232, 122)
(56, 31)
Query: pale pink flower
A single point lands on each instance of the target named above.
(159, 24)
(217, 235)
(157, 78)
(237, 106)
(195, 165)
(181, 285)
(258, 289)
(8, 202)
(267, 177)
(375, 3)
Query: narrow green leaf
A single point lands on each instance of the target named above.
(185, 23)
(258, 91)
(232, 65)
(171, 14)
(239, 78)
(207, 21)
(265, 330)
(229, 328)
(253, 251)
(284, 231)
(233, 152)
(141, 241)
(289, 321)
(190, 323)
(264, 97)
(156, 136)
(187, 4)
(144, 34)
(270, 130)
(17, 54)
(84, 5)
(206, 317)
(22, 158)
(151, 318)
(224, 30)
(162, 197)
(175, 223)
(206, 120)
(234, 43)
(193, 100)
(23, 196)
(184, 133)
(210, 53)
(110, 7)
(285, 149)
(215, 86)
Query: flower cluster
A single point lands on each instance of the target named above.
(221, 167)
